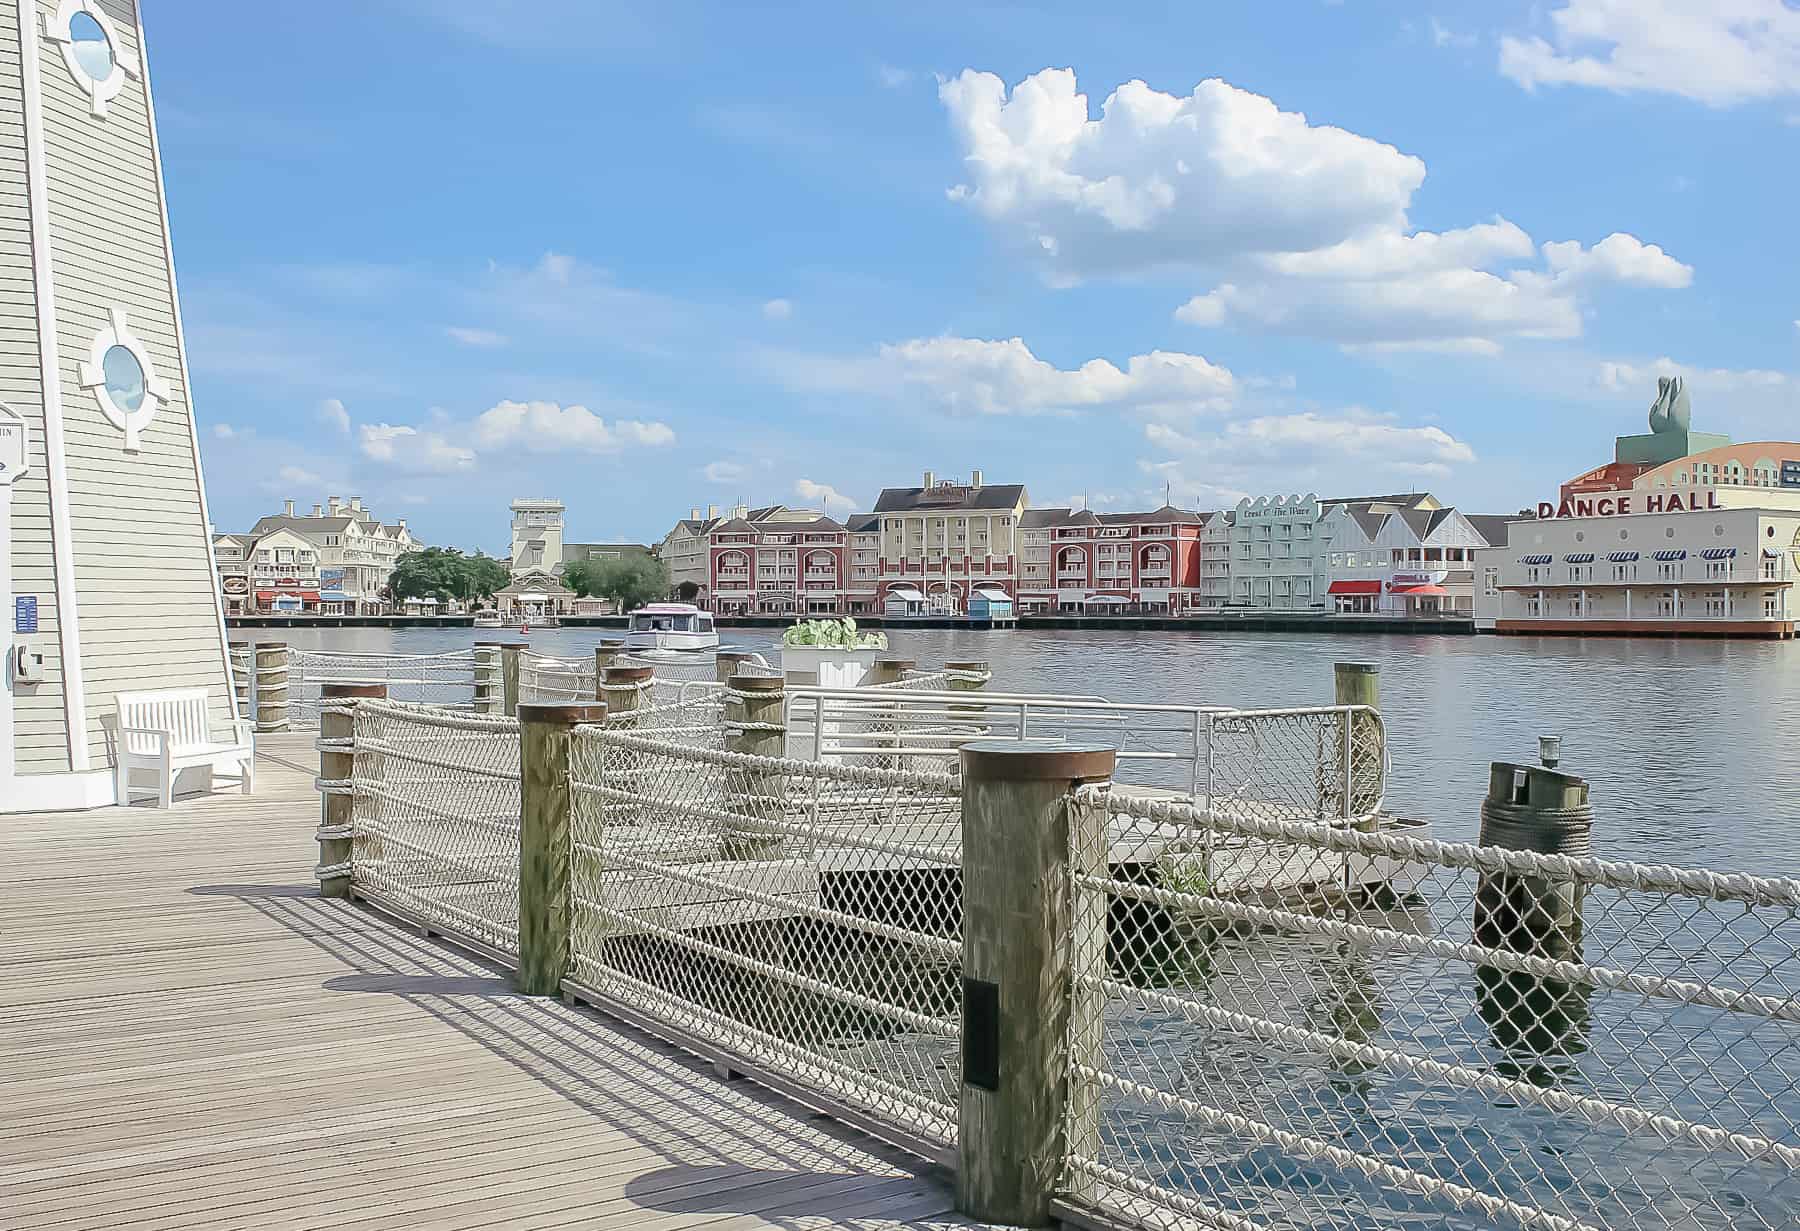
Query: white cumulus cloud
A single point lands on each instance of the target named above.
(1299, 227)
(297, 476)
(546, 427)
(824, 495)
(407, 448)
(777, 309)
(978, 376)
(468, 336)
(1161, 179)
(332, 412)
(1717, 52)
(724, 472)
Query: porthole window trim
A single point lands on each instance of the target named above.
(93, 377)
(124, 62)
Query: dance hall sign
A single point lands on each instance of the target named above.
(1628, 503)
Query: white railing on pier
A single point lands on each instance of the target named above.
(444, 680)
(707, 897)
(1289, 1054)
(1276, 1019)
(1293, 763)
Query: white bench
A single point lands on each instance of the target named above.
(170, 730)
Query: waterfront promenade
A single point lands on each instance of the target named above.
(191, 1037)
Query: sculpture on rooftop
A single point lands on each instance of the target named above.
(1670, 411)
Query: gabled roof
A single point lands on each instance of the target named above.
(1037, 519)
(949, 497)
(1368, 520)
(1405, 500)
(1168, 513)
(301, 525)
(1492, 526)
(862, 523)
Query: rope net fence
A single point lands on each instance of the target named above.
(1294, 1024)
(803, 917)
(435, 829)
(444, 680)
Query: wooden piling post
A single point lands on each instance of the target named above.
(1361, 753)
(727, 663)
(1532, 808)
(337, 808)
(271, 686)
(242, 669)
(888, 671)
(605, 655)
(511, 661)
(489, 685)
(544, 844)
(1020, 945)
(754, 724)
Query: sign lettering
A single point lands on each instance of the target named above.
(1626, 504)
(25, 613)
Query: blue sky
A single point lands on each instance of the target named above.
(441, 254)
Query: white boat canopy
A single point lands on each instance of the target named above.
(906, 594)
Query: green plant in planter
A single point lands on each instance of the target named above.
(833, 634)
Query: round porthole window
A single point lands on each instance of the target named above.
(124, 378)
(93, 50)
(1718, 532)
(99, 63)
(1581, 536)
(1669, 533)
(1623, 535)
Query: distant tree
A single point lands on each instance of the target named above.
(487, 576)
(629, 582)
(447, 575)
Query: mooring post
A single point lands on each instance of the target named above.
(727, 663)
(271, 686)
(1023, 937)
(489, 688)
(888, 671)
(605, 655)
(754, 724)
(241, 667)
(884, 728)
(545, 735)
(1361, 754)
(624, 689)
(337, 765)
(969, 675)
(1532, 808)
(511, 663)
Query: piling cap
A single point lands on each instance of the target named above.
(1012, 760)
(758, 683)
(968, 664)
(628, 675)
(1535, 785)
(897, 664)
(612, 643)
(567, 715)
(339, 692)
(271, 645)
(733, 656)
(1356, 668)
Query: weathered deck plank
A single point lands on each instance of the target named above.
(191, 1037)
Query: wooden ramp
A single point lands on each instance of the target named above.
(191, 1037)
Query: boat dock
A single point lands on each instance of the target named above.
(195, 1038)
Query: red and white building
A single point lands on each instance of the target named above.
(771, 560)
(1100, 562)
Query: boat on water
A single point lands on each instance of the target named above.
(488, 619)
(671, 626)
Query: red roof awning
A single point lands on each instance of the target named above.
(1355, 587)
(263, 596)
(1424, 590)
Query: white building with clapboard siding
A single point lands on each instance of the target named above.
(108, 528)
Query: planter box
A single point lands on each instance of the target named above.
(827, 666)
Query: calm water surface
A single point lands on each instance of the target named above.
(1692, 747)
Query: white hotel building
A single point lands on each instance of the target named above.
(1713, 552)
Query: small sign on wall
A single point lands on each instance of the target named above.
(25, 613)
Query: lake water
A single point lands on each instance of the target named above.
(1692, 747)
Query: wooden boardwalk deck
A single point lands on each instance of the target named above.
(191, 1037)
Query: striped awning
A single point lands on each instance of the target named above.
(1623, 557)
(1718, 553)
(1769, 553)
(1536, 559)
(1672, 554)
(1579, 557)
